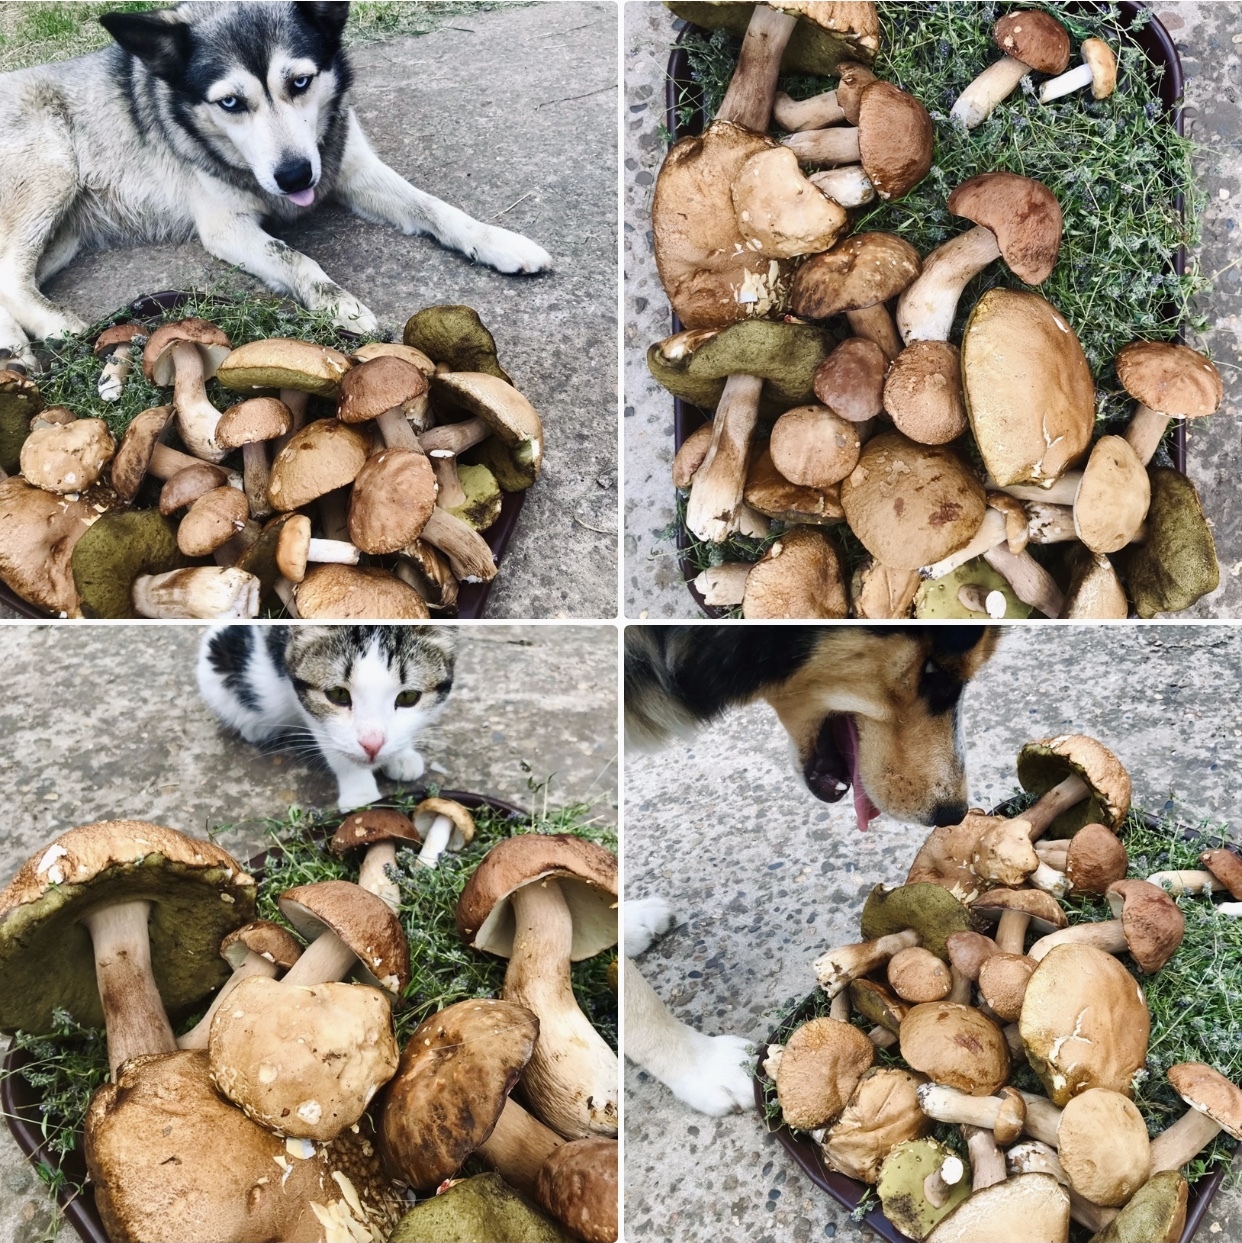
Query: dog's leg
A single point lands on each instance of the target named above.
(645, 919)
(65, 246)
(372, 190)
(710, 1073)
(239, 239)
(14, 344)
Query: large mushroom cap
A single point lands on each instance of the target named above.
(454, 1077)
(911, 504)
(1103, 1147)
(1208, 1091)
(196, 891)
(394, 494)
(799, 577)
(955, 1045)
(280, 362)
(1152, 922)
(38, 533)
(357, 593)
(578, 1184)
(859, 272)
(1047, 762)
(923, 392)
(819, 1069)
(894, 139)
(211, 342)
(455, 337)
(378, 385)
(1032, 1207)
(587, 876)
(1029, 392)
(779, 212)
(883, 1112)
(1113, 497)
(317, 459)
(512, 418)
(1034, 38)
(260, 418)
(482, 1207)
(67, 457)
(116, 550)
(1170, 378)
(1023, 214)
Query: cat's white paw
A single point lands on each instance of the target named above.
(356, 789)
(716, 1077)
(408, 766)
(645, 920)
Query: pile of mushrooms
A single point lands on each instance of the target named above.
(972, 969)
(948, 454)
(330, 486)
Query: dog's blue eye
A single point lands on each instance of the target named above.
(230, 103)
(298, 85)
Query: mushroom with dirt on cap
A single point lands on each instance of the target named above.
(379, 829)
(248, 426)
(1032, 42)
(317, 459)
(186, 355)
(67, 457)
(357, 593)
(1168, 381)
(908, 1171)
(955, 1045)
(1033, 1207)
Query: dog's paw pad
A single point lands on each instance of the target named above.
(350, 314)
(645, 920)
(511, 252)
(719, 1082)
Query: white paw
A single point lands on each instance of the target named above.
(645, 919)
(718, 1079)
(356, 790)
(408, 766)
(350, 314)
(509, 252)
(20, 356)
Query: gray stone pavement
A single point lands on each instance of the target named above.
(764, 878)
(103, 722)
(1209, 40)
(510, 115)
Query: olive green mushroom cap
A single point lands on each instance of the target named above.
(900, 1186)
(20, 401)
(482, 1207)
(280, 362)
(1047, 762)
(1170, 378)
(1033, 1207)
(883, 1112)
(197, 894)
(819, 1069)
(116, 550)
(1029, 393)
(456, 337)
(1156, 1213)
(931, 910)
(863, 270)
(1176, 563)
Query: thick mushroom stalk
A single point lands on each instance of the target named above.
(994, 85)
(204, 592)
(947, 1104)
(814, 113)
(468, 552)
(436, 841)
(825, 146)
(1034, 1157)
(838, 967)
(748, 101)
(518, 1145)
(572, 1072)
(716, 492)
(197, 418)
(925, 311)
(1183, 1141)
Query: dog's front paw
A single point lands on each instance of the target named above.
(348, 312)
(509, 252)
(646, 919)
(717, 1080)
(408, 766)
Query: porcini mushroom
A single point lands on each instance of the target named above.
(378, 829)
(882, 1113)
(357, 593)
(387, 390)
(779, 212)
(819, 1069)
(248, 426)
(115, 346)
(67, 457)
(1078, 781)
(296, 548)
(186, 355)
(211, 521)
(955, 1045)
(206, 592)
(1168, 381)
(442, 824)
(902, 1186)
(1215, 1106)
(1029, 1206)
(1098, 71)
(120, 549)
(1032, 42)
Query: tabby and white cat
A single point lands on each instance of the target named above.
(360, 694)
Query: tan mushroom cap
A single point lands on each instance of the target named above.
(1045, 911)
(968, 951)
(852, 80)
(375, 387)
(1208, 1091)
(212, 344)
(280, 362)
(911, 504)
(317, 459)
(1084, 1022)
(1023, 214)
(375, 824)
(690, 456)
(118, 334)
(67, 457)
(779, 212)
(1113, 497)
(1095, 860)
(452, 1083)
(799, 576)
(463, 821)
(212, 520)
(1103, 1146)
(1034, 1207)
(578, 1185)
(768, 492)
(187, 485)
(1103, 64)
(247, 422)
(894, 139)
(38, 532)
(1170, 378)
(293, 547)
(357, 593)
(820, 1067)
(1047, 762)
(813, 447)
(585, 872)
(503, 408)
(1010, 1117)
(394, 349)
(1226, 866)
(264, 938)
(361, 920)
(863, 270)
(917, 975)
(1002, 983)
(394, 494)
(945, 857)
(850, 381)
(883, 1112)
(1152, 922)
(923, 392)
(1035, 39)
(955, 1045)
(129, 467)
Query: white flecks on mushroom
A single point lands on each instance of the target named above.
(268, 1074)
(49, 857)
(310, 1111)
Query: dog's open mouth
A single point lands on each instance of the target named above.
(833, 767)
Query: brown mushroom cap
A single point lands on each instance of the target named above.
(768, 492)
(1045, 911)
(923, 392)
(247, 422)
(1152, 922)
(212, 344)
(281, 362)
(911, 504)
(264, 938)
(578, 1185)
(1010, 1117)
(1047, 762)
(1113, 497)
(118, 334)
(1095, 860)
(1208, 1091)
(317, 459)
(293, 547)
(212, 520)
(375, 824)
(1035, 39)
(1170, 378)
(883, 1112)
(955, 1045)
(1103, 1147)
(1226, 866)
(187, 485)
(361, 920)
(587, 877)
(917, 975)
(690, 456)
(1002, 983)
(394, 494)
(377, 349)
(819, 1069)
(813, 447)
(357, 593)
(945, 857)
(377, 386)
(129, 467)
(800, 576)
(1023, 214)
(850, 381)
(894, 139)
(1026, 1206)
(67, 457)
(863, 270)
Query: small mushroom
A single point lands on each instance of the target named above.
(1098, 71)
(186, 355)
(248, 426)
(1032, 42)
(296, 549)
(379, 829)
(211, 521)
(389, 391)
(850, 381)
(442, 824)
(115, 346)
(902, 1186)
(917, 975)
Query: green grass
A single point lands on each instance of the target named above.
(71, 1063)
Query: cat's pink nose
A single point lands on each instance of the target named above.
(372, 744)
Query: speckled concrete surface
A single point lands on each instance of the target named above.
(764, 878)
(105, 721)
(1209, 40)
(510, 115)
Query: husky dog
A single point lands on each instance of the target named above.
(204, 120)
(872, 708)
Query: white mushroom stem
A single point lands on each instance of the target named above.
(1049, 524)
(325, 959)
(724, 584)
(987, 1162)
(518, 1145)
(947, 1104)
(849, 186)
(716, 490)
(197, 418)
(1066, 794)
(469, 556)
(335, 551)
(997, 82)
(1050, 879)
(1066, 84)
(876, 325)
(455, 438)
(1064, 491)
(204, 592)
(881, 1037)
(373, 874)
(133, 1010)
(395, 428)
(748, 101)
(820, 110)
(115, 372)
(987, 603)
(825, 146)
(1108, 935)
(435, 841)
(1032, 1157)
(938, 1185)
(990, 533)
(571, 1080)
(926, 309)
(840, 1007)
(166, 462)
(451, 494)
(1183, 1141)
(255, 472)
(1031, 583)
(252, 964)
(1233, 909)
(1145, 431)
(1179, 883)
(839, 966)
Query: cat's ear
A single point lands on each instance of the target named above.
(442, 638)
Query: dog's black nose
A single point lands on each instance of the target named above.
(294, 175)
(949, 813)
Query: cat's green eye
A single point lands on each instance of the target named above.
(338, 695)
(407, 699)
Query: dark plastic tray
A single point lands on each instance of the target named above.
(20, 1101)
(471, 597)
(680, 90)
(848, 1192)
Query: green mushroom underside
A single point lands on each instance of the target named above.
(931, 910)
(900, 1187)
(115, 551)
(938, 597)
(483, 497)
(511, 475)
(1152, 1212)
(1039, 770)
(16, 411)
(483, 1207)
(47, 962)
(456, 337)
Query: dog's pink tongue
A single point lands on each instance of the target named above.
(864, 809)
(303, 198)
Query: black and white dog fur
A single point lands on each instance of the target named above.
(872, 708)
(204, 120)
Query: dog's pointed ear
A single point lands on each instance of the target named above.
(965, 649)
(328, 15)
(160, 40)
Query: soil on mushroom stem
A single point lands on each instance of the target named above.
(1116, 166)
(71, 1063)
(1192, 999)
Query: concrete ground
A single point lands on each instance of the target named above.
(1209, 40)
(764, 878)
(511, 116)
(105, 722)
